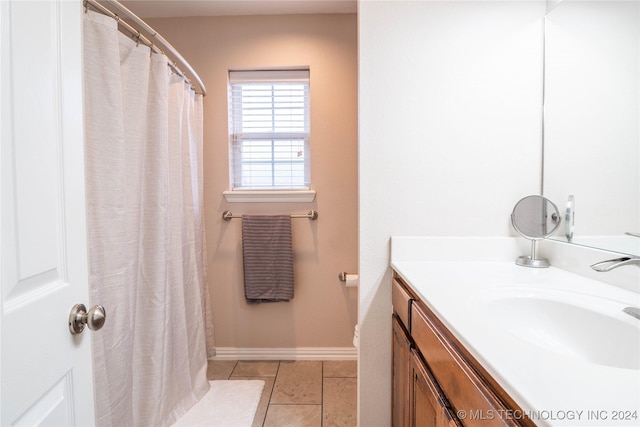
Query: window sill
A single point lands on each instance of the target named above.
(269, 196)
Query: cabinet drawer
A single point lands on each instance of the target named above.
(401, 300)
(464, 388)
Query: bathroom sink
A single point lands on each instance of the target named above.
(588, 328)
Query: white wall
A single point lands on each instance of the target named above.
(450, 97)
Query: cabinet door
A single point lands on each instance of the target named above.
(428, 405)
(401, 375)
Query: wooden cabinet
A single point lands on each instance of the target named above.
(436, 381)
(428, 405)
(401, 374)
(417, 399)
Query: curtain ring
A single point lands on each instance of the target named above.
(137, 36)
(178, 71)
(86, 5)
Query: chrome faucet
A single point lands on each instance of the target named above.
(610, 264)
(632, 311)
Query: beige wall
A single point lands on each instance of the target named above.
(323, 312)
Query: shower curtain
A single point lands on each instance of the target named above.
(145, 225)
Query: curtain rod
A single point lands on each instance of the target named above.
(165, 46)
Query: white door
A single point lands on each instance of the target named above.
(46, 376)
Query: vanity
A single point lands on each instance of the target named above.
(480, 341)
(452, 386)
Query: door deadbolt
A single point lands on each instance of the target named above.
(79, 317)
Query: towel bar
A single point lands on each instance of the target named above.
(312, 214)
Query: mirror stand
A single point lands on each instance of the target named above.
(534, 218)
(532, 260)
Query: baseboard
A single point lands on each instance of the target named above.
(297, 353)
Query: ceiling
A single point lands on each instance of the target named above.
(182, 8)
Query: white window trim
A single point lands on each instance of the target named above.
(239, 195)
(269, 196)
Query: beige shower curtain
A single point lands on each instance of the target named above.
(145, 227)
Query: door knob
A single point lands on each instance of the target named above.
(79, 317)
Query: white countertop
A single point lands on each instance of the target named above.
(554, 389)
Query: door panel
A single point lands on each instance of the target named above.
(401, 358)
(46, 375)
(52, 408)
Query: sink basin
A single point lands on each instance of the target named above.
(588, 328)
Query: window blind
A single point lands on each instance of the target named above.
(269, 129)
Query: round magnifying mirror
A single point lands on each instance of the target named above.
(535, 218)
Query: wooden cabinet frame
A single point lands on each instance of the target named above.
(437, 377)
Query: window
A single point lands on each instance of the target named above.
(269, 130)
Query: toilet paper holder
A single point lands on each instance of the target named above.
(343, 276)
(349, 280)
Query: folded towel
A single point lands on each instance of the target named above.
(267, 258)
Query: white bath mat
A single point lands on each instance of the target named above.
(227, 404)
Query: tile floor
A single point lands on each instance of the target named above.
(301, 393)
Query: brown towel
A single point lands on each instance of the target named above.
(267, 258)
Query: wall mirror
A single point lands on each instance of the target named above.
(592, 120)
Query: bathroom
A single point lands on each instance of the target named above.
(448, 138)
